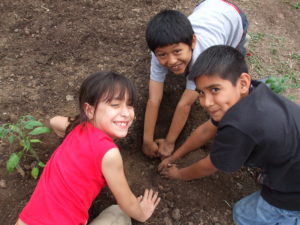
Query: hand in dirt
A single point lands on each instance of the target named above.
(165, 148)
(148, 202)
(166, 162)
(171, 172)
(150, 149)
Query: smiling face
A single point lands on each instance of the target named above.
(175, 57)
(113, 118)
(217, 95)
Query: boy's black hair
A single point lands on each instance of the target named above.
(221, 60)
(102, 86)
(168, 27)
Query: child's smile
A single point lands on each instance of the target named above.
(175, 57)
(218, 95)
(114, 118)
(122, 124)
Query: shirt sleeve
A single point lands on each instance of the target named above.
(157, 72)
(231, 148)
(215, 123)
(190, 84)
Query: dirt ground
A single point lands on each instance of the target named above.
(48, 47)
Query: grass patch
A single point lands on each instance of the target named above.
(268, 57)
(296, 5)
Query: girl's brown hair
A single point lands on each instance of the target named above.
(102, 86)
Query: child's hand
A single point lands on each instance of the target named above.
(165, 148)
(171, 172)
(148, 202)
(150, 149)
(164, 163)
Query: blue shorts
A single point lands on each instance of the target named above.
(254, 210)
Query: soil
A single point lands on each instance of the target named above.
(48, 47)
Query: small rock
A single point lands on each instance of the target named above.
(136, 10)
(27, 167)
(215, 219)
(176, 214)
(169, 203)
(5, 116)
(168, 221)
(281, 16)
(3, 184)
(170, 195)
(165, 210)
(239, 186)
(27, 30)
(69, 97)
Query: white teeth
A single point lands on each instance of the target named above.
(121, 124)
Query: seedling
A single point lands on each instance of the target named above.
(296, 5)
(22, 134)
(277, 84)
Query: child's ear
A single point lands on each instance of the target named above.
(194, 41)
(245, 81)
(89, 110)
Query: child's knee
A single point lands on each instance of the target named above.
(112, 215)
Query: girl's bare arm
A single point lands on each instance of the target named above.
(140, 208)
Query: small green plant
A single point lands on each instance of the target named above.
(257, 37)
(22, 133)
(296, 56)
(296, 5)
(277, 84)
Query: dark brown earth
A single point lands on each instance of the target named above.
(48, 47)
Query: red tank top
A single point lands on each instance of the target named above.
(71, 179)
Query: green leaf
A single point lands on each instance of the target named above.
(33, 123)
(35, 141)
(27, 144)
(11, 139)
(12, 162)
(28, 117)
(35, 172)
(40, 130)
(41, 164)
(291, 97)
(296, 5)
(2, 131)
(22, 143)
(293, 86)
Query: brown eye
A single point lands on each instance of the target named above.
(215, 90)
(201, 93)
(161, 55)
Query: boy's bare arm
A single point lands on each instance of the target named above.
(202, 168)
(199, 137)
(166, 147)
(150, 148)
